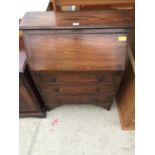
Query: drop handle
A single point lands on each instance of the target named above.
(54, 79)
(56, 90)
(96, 100)
(98, 90)
(101, 79)
(58, 100)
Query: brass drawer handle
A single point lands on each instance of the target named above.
(58, 100)
(101, 79)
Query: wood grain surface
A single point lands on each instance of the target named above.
(29, 99)
(86, 19)
(92, 2)
(75, 52)
(80, 63)
(126, 99)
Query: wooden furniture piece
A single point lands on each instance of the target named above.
(125, 97)
(93, 4)
(21, 43)
(29, 100)
(76, 57)
(50, 6)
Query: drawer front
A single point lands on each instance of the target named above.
(58, 88)
(49, 51)
(110, 77)
(76, 89)
(79, 99)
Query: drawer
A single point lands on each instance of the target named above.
(105, 100)
(76, 89)
(77, 77)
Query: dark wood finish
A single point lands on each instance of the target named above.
(71, 77)
(106, 7)
(29, 101)
(52, 84)
(54, 5)
(76, 64)
(50, 6)
(87, 19)
(51, 102)
(132, 41)
(73, 89)
(62, 86)
(126, 98)
(94, 4)
(132, 35)
(75, 52)
(126, 93)
(21, 42)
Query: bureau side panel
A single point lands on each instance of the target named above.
(29, 103)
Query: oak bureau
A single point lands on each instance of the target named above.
(76, 57)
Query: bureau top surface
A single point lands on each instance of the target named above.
(73, 20)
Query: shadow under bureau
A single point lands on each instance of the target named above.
(76, 57)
